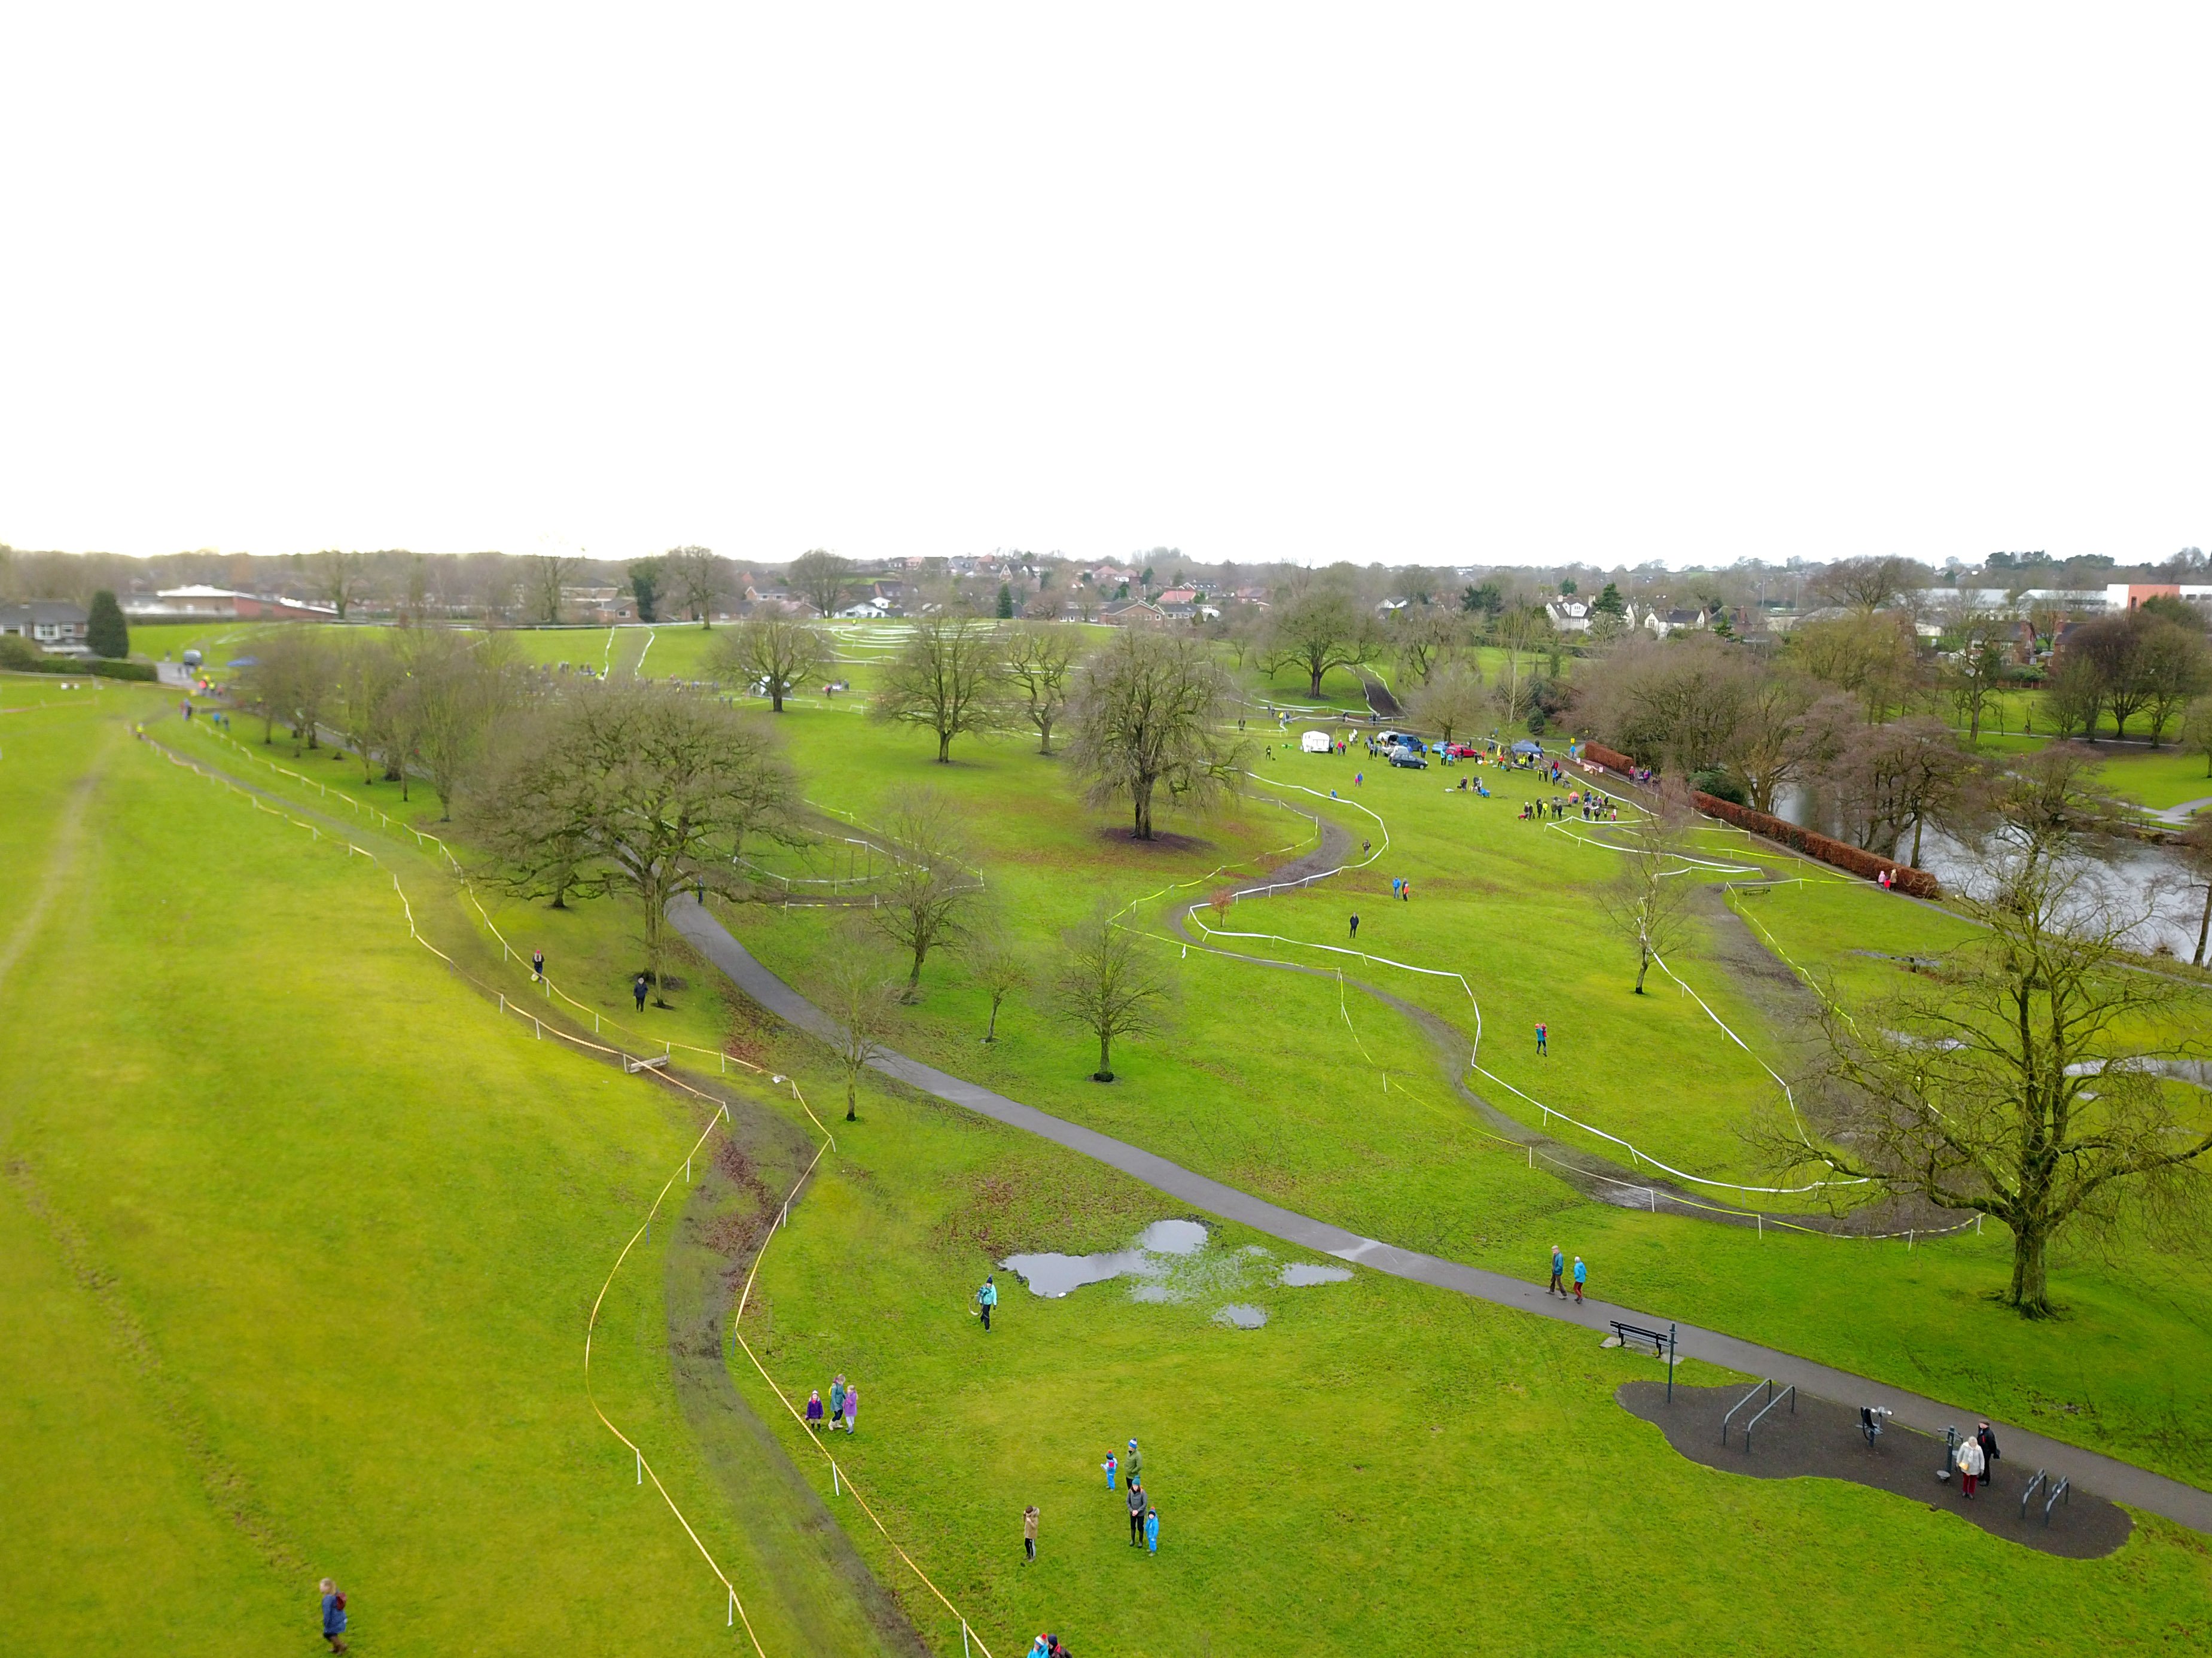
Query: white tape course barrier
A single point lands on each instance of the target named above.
(718, 1116)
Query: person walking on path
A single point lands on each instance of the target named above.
(1543, 1032)
(638, 991)
(1355, 923)
(1137, 1507)
(334, 1616)
(1151, 1529)
(1135, 1463)
(1394, 886)
(1406, 892)
(537, 965)
(1558, 1271)
(1110, 1464)
(837, 1399)
(814, 1409)
(988, 1298)
(1970, 1463)
(852, 1410)
(1582, 1274)
(1988, 1441)
(1028, 1533)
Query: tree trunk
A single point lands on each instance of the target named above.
(944, 747)
(1105, 1071)
(1642, 967)
(1916, 821)
(1315, 673)
(2203, 927)
(851, 1096)
(1141, 797)
(990, 1030)
(1044, 730)
(775, 698)
(2028, 1292)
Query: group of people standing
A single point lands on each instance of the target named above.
(844, 1407)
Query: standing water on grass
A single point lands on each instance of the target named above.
(1152, 1257)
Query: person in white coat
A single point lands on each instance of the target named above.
(1970, 1463)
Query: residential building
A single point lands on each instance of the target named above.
(1124, 611)
(54, 625)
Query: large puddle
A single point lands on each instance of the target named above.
(1152, 1257)
(1170, 1261)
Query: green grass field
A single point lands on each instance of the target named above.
(300, 1238)
(297, 1292)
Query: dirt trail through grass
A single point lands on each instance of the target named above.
(61, 859)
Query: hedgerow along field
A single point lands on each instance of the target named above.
(857, 750)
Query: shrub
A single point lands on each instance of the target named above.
(1918, 882)
(142, 672)
(1720, 784)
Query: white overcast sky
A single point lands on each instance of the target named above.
(1432, 284)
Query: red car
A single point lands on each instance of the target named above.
(1463, 750)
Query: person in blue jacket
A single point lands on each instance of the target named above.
(1151, 1528)
(986, 1298)
(1582, 1273)
(334, 1618)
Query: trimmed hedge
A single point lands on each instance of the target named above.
(82, 666)
(1841, 854)
(1603, 756)
(1918, 882)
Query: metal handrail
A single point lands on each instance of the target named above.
(1789, 1393)
(2040, 1479)
(1768, 1384)
(2065, 1489)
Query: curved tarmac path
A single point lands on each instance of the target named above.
(2121, 1481)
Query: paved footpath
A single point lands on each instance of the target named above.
(2121, 1481)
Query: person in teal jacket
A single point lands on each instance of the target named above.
(1558, 1271)
(1582, 1272)
(986, 1298)
(1151, 1528)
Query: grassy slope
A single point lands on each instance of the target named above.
(353, 1220)
(1383, 1468)
(1264, 1084)
(1269, 1083)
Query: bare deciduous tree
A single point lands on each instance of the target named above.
(642, 790)
(545, 578)
(1869, 584)
(457, 687)
(861, 993)
(950, 678)
(1452, 701)
(1148, 714)
(2020, 1080)
(1110, 984)
(996, 965)
(822, 579)
(341, 578)
(773, 655)
(696, 577)
(1038, 663)
(1318, 629)
(1649, 901)
(929, 886)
